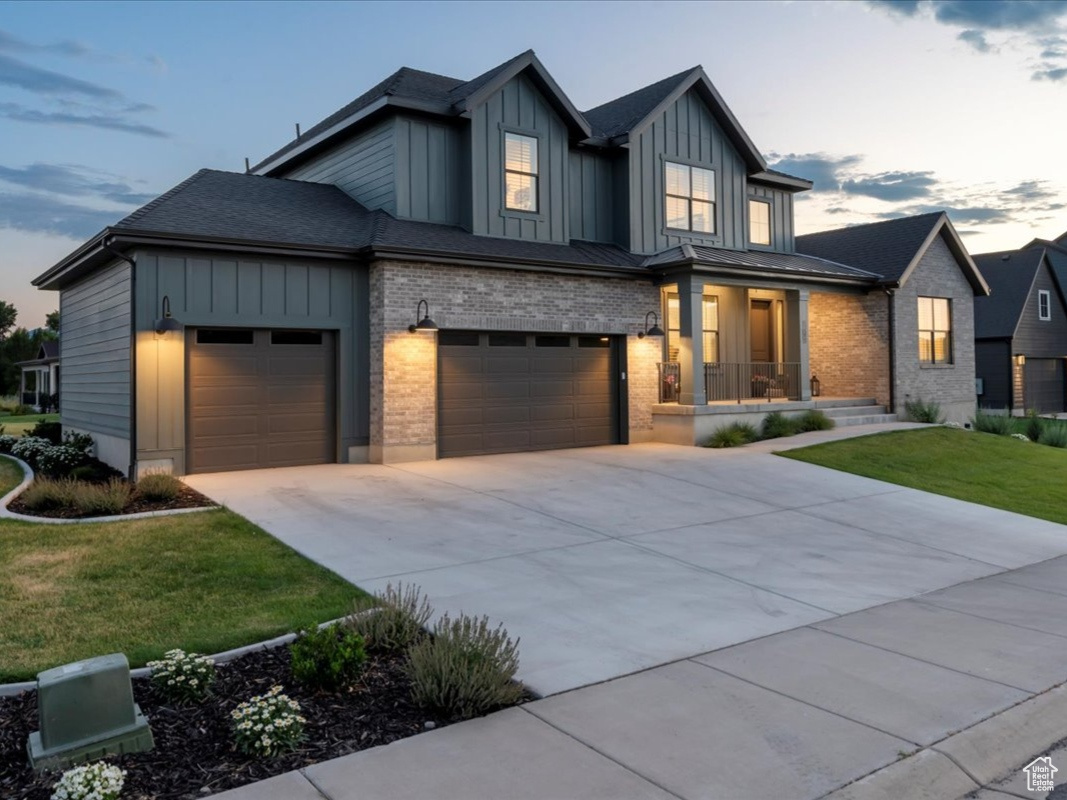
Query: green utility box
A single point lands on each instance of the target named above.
(85, 712)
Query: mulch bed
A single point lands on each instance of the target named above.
(187, 498)
(194, 754)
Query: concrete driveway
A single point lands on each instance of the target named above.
(610, 560)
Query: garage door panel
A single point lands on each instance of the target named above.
(497, 399)
(257, 404)
(1044, 384)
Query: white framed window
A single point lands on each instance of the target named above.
(1044, 305)
(935, 330)
(759, 222)
(710, 322)
(520, 172)
(689, 202)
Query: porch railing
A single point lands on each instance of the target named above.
(670, 381)
(752, 381)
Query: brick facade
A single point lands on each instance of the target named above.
(937, 275)
(849, 344)
(403, 404)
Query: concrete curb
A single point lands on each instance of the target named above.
(9, 689)
(27, 472)
(975, 757)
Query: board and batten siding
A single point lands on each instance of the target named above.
(519, 108)
(95, 373)
(688, 134)
(362, 167)
(592, 183)
(427, 171)
(1035, 337)
(215, 290)
(782, 238)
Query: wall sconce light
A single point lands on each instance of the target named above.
(816, 386)
(654, 330)
(167, 322)
(424, 324)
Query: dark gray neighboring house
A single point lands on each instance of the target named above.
(544, 242)
(1021, 329)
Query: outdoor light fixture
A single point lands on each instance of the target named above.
(654, 330)
(816, 386)
(424, 324)
(167, 322)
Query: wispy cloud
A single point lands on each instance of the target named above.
(73, 180)
(820, 168)
(1036, 24)
(32, 212)
(107, 121)
(14, 72)
(891, 186)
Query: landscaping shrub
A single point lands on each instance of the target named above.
(59, 461)
(44, 429)
(7, 441)
(98, 781)
(100, 499)
(393, 619)
(999, 424)
(45, 494)
(183, 677)
(776, 425)
(1054, 436)
(922, 411)
(329, 658)
(735, 434)
(28, 448)
(157, 486)
(268, 724)
(465, 669)
(79, 441)
(813, 420)
(1035, 426)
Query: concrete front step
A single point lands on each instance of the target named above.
(843, 402)
(869, 419)
(856, 410)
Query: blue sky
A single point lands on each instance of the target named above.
(891, 108)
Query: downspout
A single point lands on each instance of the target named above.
(892, 306)
(133, 354)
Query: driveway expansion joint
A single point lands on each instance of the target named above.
(920, 599)
(309, 779)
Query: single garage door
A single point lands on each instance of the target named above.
(508, 392)
(259, 398)
(1044, 387)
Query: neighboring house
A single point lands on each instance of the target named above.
(913, 338)
(542, 240)
(1021, 329)
(39, 381)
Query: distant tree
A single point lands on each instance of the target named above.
(52, 322)
(19, 345)
(8, 315)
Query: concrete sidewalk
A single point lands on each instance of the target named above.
(930, 697)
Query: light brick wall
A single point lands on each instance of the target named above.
(403, 403)
(937, 275)
(849, 344)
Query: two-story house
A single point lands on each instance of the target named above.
(448, 267)
(1021, 329)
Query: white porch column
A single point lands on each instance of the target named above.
(691, 340)
(796, 340)
(22, 386)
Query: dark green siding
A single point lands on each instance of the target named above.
(427, 171)
(591, 195)
(782, 238)
(363, 167)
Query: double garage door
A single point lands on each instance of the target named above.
(509, 392)
(259, 398)
(1044, 387)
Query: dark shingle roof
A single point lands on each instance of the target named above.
(409, 83)
(260, 210)
(885, 248)
(50, 349)
(231, 205)
(619, 116)
(465, 90)
(1010, 275)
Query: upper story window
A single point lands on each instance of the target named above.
(1044, 305)
(935, 330)
(520, 172)
(690, 201)
(759, 222)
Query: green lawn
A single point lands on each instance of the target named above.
(204, 582)
(17, 426)
(982, 468)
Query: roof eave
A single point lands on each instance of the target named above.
(696, 265)
(91, 249)
(796, 184)
(475, 259)
(955, 244)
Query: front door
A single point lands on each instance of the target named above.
(762, 340)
